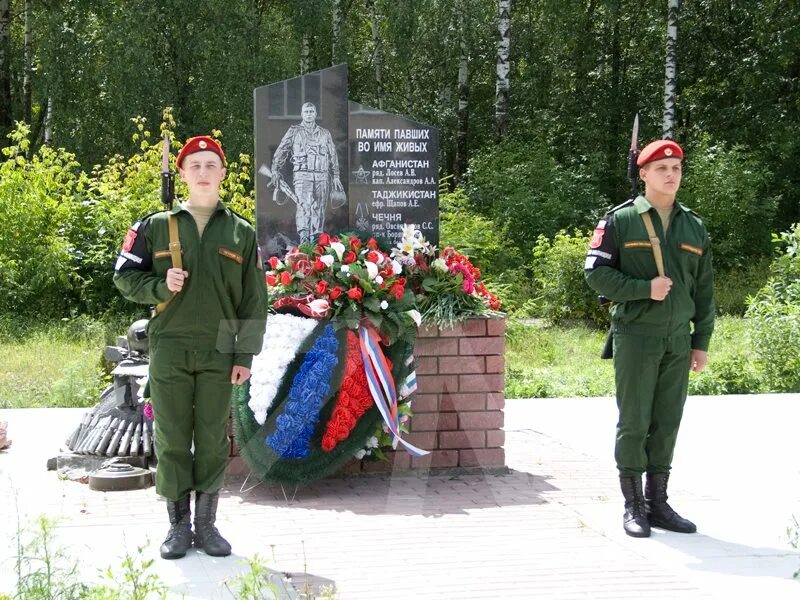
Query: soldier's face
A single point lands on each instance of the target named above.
(309, 114)
(662, 176)
(203, 172)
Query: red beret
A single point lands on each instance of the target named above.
(201, 143)
(658, 150)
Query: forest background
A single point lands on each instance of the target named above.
(534, 99)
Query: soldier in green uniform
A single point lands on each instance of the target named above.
(662, 325)
(202, 341)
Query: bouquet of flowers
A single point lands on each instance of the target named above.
(448, 288)
(346, 280)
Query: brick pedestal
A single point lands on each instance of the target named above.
(458, 408)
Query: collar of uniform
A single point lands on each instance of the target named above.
(179, 207)
(642, 205)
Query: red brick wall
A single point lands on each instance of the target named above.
(458, 408)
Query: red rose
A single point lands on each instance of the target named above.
(335, 238)
(355, 293)
(271, 280)
(335, 293)
(396, 290)
(322, 286)
(372, 244)
(319, 265)
(319, 249)
(387, 272)
(286, 278)
(374, 257)
(349, 257)
(324, 239)
(355, 244)
(273, 262)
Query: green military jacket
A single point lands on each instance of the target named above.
(223, 303)
(620, 264)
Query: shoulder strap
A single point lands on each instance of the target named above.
(175, 253)
(654, 242)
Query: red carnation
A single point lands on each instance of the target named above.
(355, 293)
(372, 243)
(273, 262)
(286, 278)
(271, 280)
(322, 286)
(355, 244)
(349, 257)
(335, 293)
(324, 239)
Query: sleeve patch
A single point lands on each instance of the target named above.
(597, 236)
(589, 264)
(130, 238)
(638, 244)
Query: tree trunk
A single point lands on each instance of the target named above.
(671, 71)
(337, 47)
(460, 162)
(5, 71)
(502, 87)
(376, 50)
(48, 122)
(305, 53)
(27, 104)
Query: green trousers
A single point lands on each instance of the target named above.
(652, 376)
(191, 395)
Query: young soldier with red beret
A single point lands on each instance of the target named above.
(201, 342)
(662, 327)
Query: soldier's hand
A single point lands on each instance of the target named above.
(275, 181)
(175, 279)
(337, 184)
(239, 375)
(698, 360)
(660, 287)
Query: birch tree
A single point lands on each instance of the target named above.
(502, 86)
(337, 32)
(376, 50)
(671, 70)
(460, 162)
(27, 103)
(5, 69)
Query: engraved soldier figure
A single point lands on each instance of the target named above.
(315, 168)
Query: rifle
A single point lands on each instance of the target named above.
(167, 176)
(633, 175)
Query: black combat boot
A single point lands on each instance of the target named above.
(659, 513)
(179, 538)
(635, 518)
(206, 535)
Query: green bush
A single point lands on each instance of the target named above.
(733, 286)
(728, 187)
(519, 185)
(728, 375)
(561, 291)
(774, 318)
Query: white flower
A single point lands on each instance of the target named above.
(379, 280)
(397, 268)
(327, 259)
(338, 247)
(319, 307)
(409, 231)
(415, 316)
(372, 269)
(360, 454)
(372, 442)
(384, 304)
(440, 265)
(345, 268)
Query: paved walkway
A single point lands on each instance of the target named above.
(550, 528)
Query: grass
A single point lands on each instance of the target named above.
(55, 364)
(564, 361)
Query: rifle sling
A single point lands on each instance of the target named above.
(654, 242)
(175, 253)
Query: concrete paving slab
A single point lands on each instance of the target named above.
(550, 528)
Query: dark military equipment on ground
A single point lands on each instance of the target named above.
(117, 425)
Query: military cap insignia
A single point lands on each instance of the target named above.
(203, 145)
(667, 151)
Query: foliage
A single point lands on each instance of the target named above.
(133, 579)
(561, 292)
(520, 187)
(728, 187)
(733, 286)
(774, 318)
